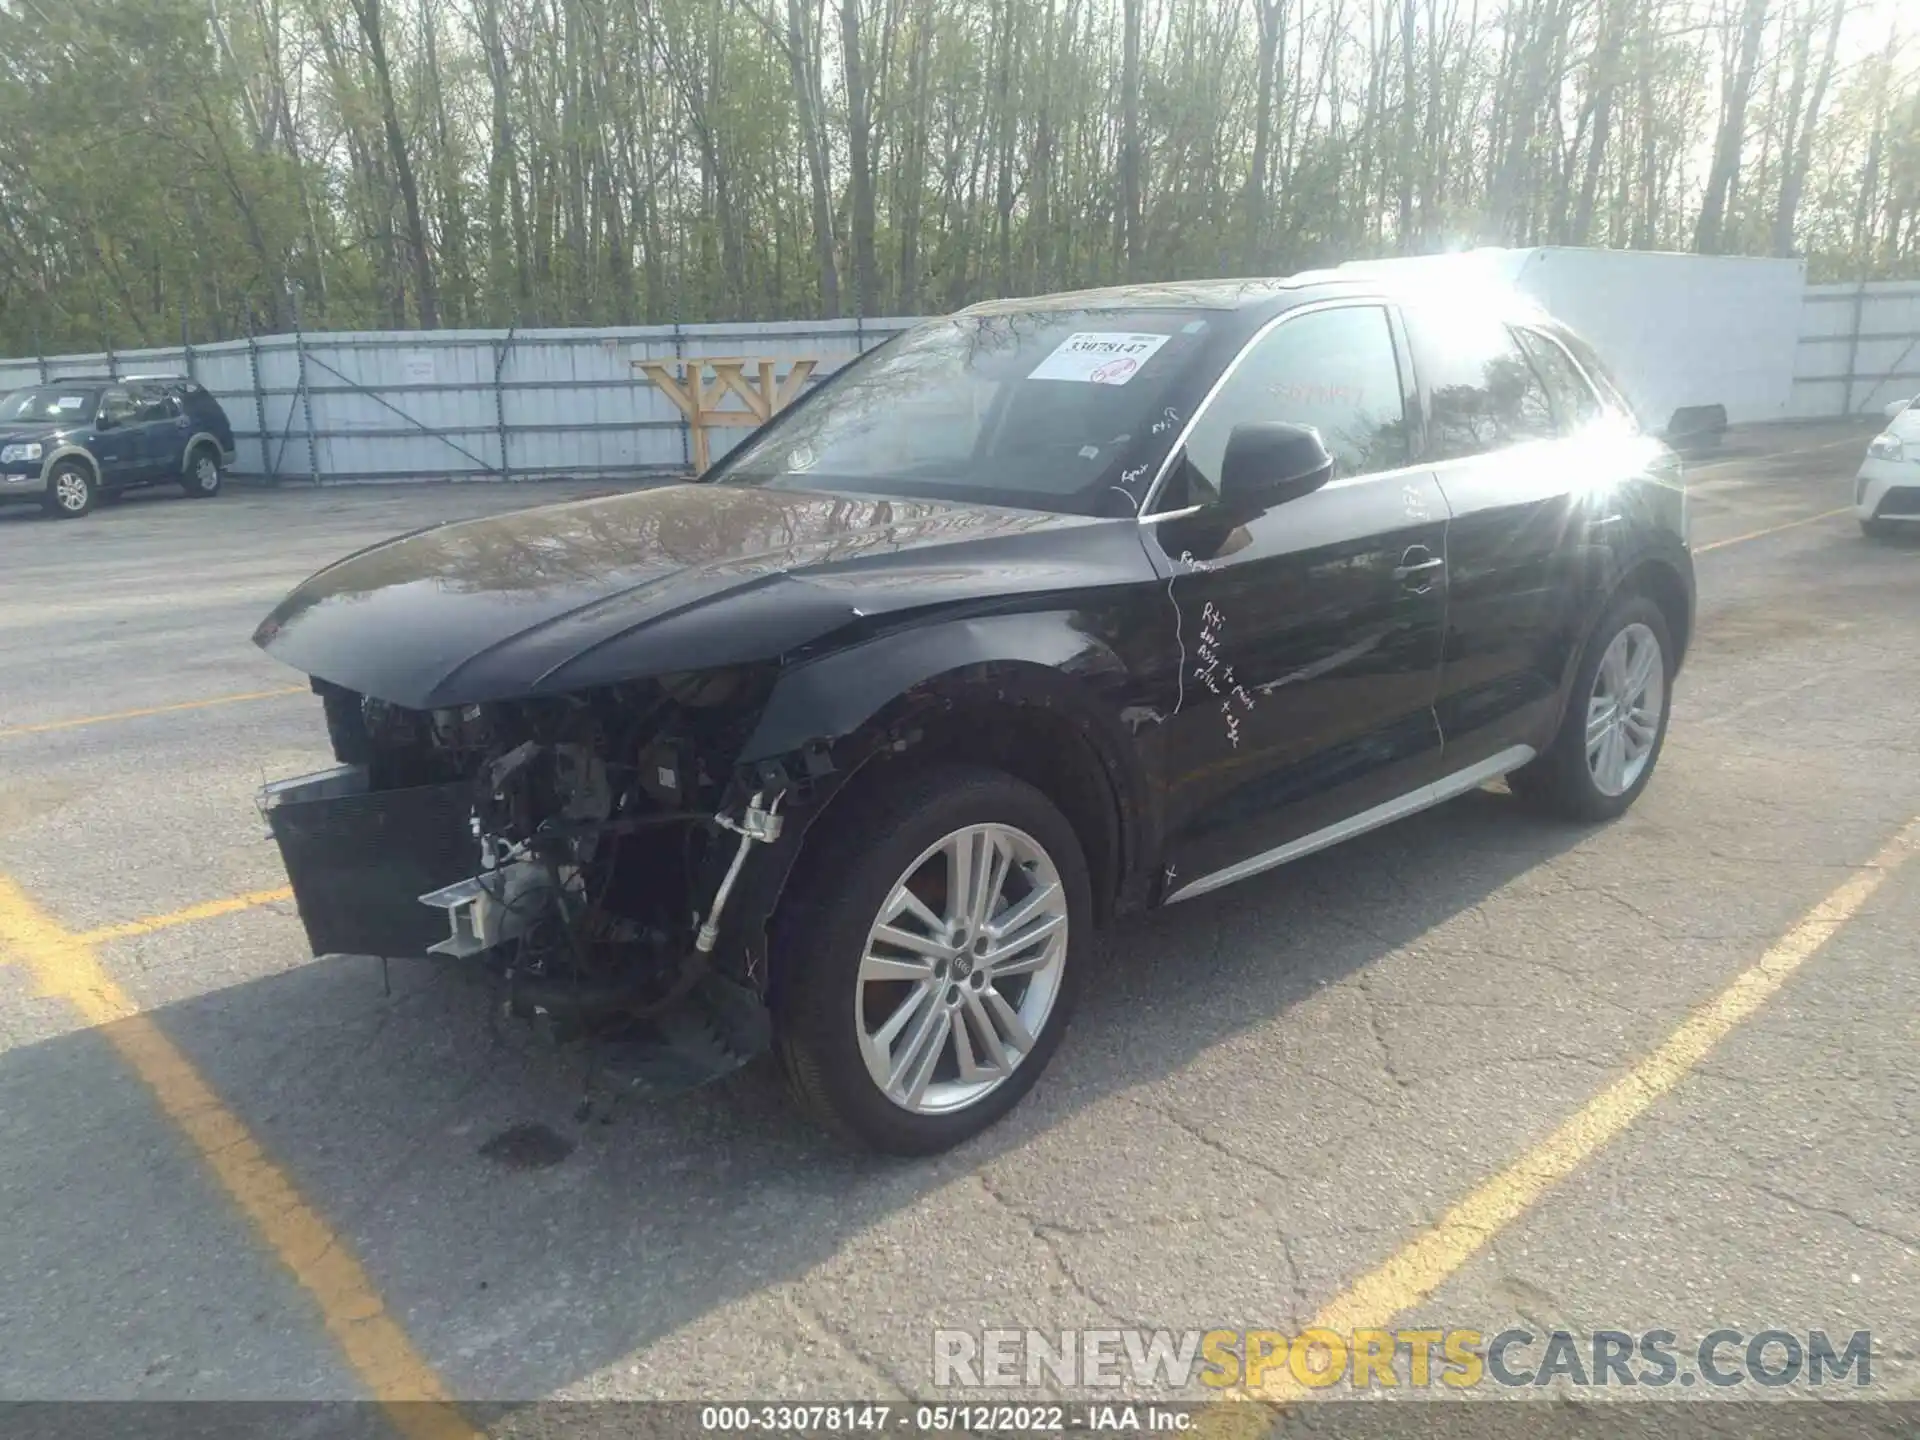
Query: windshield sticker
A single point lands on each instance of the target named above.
(1099, 357)
(69, 402)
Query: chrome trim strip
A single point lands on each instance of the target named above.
(1413, 802)
(1147, 517)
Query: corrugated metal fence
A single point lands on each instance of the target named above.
(522, 404)
(509, 404)
(1859, 348)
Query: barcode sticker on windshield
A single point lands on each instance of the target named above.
(1098, 357)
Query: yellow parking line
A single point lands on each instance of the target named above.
(205, 910)
(152, 710)
(1840, 444)
(1422, 1265)
(395, 1373)
(1772, 530)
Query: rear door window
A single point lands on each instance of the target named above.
(1483, 395)
(154, 406)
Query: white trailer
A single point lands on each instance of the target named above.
(1681, 332)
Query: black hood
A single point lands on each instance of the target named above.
(27, 434)
(680, 578)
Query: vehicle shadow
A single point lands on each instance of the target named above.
(526, 1248)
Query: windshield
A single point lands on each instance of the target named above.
(1039, 410)
(54, 403)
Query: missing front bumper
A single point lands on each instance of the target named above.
(386, 872)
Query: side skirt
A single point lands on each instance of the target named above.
(1386, 813)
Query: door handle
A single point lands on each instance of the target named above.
(1402, 572)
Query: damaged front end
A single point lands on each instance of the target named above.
(605, 854)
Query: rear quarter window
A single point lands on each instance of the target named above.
(1611, 394)
(1575, 405)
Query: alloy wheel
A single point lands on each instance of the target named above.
(1624, 711)
(961, 969)
(70, 491)
(206, 473)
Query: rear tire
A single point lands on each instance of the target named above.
(854, 1009)
(1615, 724)
(71, 490)
(203, 476)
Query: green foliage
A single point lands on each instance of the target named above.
(170, 163)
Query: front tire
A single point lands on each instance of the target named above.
(203, 477)
(931, 958)
(71, 490)
(1616, 720)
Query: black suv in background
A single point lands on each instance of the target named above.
(69, 442)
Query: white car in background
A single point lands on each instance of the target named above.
(1886, 493)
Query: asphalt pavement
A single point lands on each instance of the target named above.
(1430, 1077)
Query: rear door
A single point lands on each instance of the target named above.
(162, 426)
(1309, 636)
(1513, 484)
(117, 442)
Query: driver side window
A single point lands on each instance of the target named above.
(1334, 370)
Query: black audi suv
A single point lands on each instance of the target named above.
(1040, 615)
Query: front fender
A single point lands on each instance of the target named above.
(857, 702)
(1045, 656)
(56, 453)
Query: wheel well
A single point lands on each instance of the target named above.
(203, 443)
(1661, 585)
(1041, 746)
(78, 457)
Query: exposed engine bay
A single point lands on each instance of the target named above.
(585, 847)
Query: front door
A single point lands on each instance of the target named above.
(1310, 634)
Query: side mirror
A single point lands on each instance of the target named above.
(1890, 411)
(1269, 462)
(104, 420)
